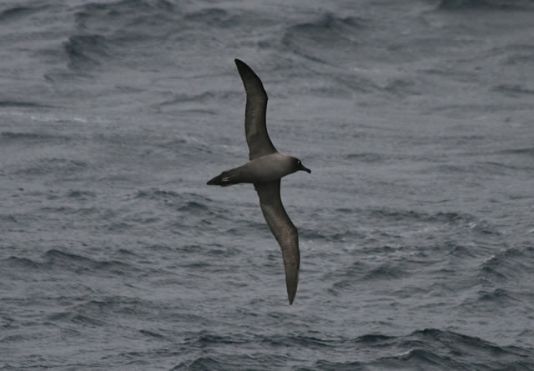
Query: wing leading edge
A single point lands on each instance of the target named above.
(259, 143)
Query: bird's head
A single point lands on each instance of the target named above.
(299, 166)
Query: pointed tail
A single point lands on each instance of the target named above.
(224, 179)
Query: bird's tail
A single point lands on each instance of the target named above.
(225, 178)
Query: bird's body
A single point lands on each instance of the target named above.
(260, 170)
(265, 170)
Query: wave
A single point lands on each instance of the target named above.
(77, 318)
(66, 261)
(21, 263)
(368, 157)
(481, 4)
(81, 195)
(16, 12)
(186, 102)
(509, 264)
(330, 235)
(121, 305)
(497, 296)
(459, 251)
(157, 194)
(420, 358)
(8, 137)
(203, 363)
(194, 207)
(492, 301)
(142, 20)
(214, 17)
(518, 56)
(21, 103)
(385, 272)
(206, 338)
(107, 31)
(297, 340)
(8, 218)
(429, 348)
(434, 348)
(58, 258)
(152, 334)
(362, 273)
(186, 201)
(309, 39)
(513, 90)
(234, 362)
(53, 166)
(464, 220)
(528, 151)
(131, 14)
(438, 217)
(328, 27)
(86, 50)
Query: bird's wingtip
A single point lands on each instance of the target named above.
(290, 299)
(291, 283)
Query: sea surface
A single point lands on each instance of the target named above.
(416, 224)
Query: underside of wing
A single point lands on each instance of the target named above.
(283, 229)
(258, 140)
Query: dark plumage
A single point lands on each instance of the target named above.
(265, 169)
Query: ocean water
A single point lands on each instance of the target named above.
(416, 224)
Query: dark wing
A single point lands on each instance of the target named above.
(259, 143)
(283, 229)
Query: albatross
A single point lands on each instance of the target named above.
(265, 169)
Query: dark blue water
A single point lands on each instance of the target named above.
(416, 225)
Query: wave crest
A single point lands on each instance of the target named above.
(481, 4)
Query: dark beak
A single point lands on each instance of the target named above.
(304, 168)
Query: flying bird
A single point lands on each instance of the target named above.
(265, 169)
